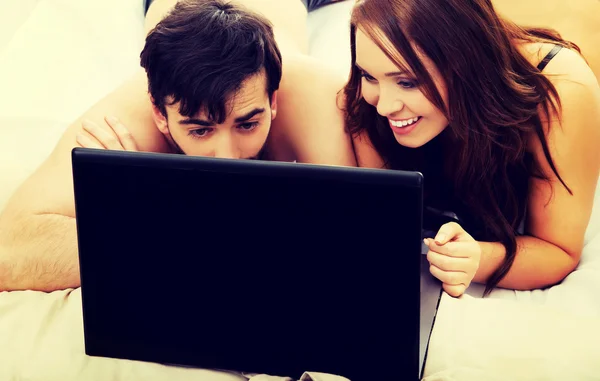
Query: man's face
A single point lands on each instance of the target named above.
(243, 133)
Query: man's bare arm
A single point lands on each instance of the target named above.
(38, 243)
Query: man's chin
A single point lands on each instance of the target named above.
(261, 155)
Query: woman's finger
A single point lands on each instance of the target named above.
(454, 290)
(449, 277)
(447, 263)
(108, 139)
(447, 233)
(122, 133)
(453, 249)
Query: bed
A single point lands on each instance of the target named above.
(57, 58)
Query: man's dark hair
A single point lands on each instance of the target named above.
(203, 50)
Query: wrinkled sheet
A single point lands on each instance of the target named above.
(41, 338)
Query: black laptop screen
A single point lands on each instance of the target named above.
(248, 272)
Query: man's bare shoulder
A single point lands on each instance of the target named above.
(131, 104)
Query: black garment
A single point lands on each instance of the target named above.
(442, 203)
(549, 56)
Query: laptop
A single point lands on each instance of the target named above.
(253, 266)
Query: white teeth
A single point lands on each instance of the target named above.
(403, 123)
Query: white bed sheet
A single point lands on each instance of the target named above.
(67, 54)
(63, 56)
(12, 15)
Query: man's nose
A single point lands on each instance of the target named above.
(225, 149)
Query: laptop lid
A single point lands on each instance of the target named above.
(259, 267)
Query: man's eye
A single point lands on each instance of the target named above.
(248, 126)
(199, 133)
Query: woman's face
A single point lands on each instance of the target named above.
(396, 95)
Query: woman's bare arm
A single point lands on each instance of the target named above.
(557, 220)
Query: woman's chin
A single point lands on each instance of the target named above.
(411, 142)
(415, 140)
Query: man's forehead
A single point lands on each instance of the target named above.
(252, 89)
(251, 95)
(239, 105)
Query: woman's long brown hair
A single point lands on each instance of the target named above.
(496, 100)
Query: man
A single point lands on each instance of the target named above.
(212, 87)
(213, 73)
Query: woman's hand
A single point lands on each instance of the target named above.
(115, 137)
(453, 257)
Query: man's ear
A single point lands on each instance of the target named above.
(160, 120)
(274, 105)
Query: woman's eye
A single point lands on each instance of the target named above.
(367, 76)
(407, 84)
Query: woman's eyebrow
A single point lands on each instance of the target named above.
(390, 74)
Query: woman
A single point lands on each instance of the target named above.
(501, 120)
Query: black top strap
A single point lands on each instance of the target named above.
(549, 56)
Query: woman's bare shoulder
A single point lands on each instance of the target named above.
(578, 91)
(570, 66)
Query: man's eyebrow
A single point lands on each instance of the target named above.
(206, 123)
(249, 115)
(200, 122)
(390, 74)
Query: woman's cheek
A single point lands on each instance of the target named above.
(369, 94)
